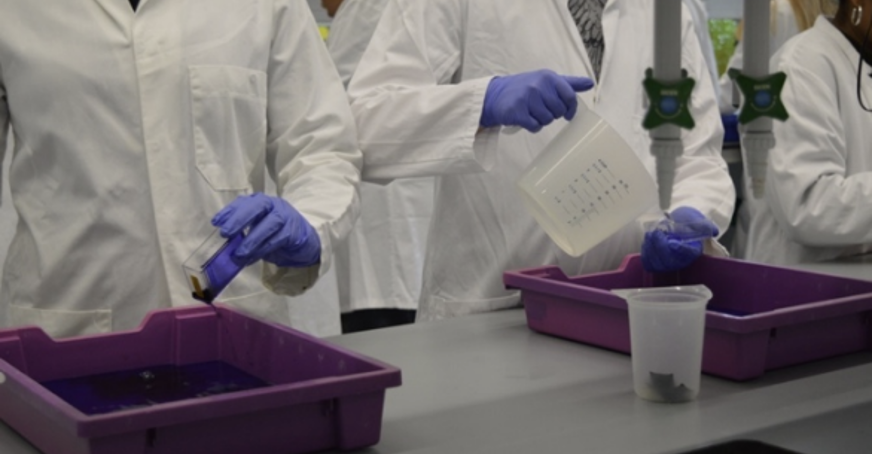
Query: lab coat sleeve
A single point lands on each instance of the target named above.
(311, 150)
(811, 196)
(702, 180)
(350, 32)
(412, 119)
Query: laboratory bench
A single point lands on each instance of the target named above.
(487, 384)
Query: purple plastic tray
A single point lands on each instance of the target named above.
(321, 396)
(760, 317)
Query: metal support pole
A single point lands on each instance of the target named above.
(757, 138)
(666, 143)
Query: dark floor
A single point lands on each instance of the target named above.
(369, 319)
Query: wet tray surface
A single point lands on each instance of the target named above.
(147, 386)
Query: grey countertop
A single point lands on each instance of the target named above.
(487, 384)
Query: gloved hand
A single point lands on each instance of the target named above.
(278, 233)
(531, 100)
(671, 251)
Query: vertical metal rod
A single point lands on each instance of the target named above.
(755, 47)
(757, 138)
(667, 52)
(666, 140)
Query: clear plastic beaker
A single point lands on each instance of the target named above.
(211, 267)
(587, 184)
(667, 326)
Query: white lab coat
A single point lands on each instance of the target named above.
(133, 130)
(417, 97)
(818, 203)
(350, 32)
(784, 27)
(381, 263)
(700, 17)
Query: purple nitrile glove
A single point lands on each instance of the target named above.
(278, 233)
(531, 100)
(664, 251)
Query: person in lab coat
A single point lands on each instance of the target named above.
(788, 19)
(379, 267)
(427, 102)
(818, 203)
(135, 123)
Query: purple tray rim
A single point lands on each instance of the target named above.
(536, 280)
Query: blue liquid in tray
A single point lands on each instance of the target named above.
(116, 391)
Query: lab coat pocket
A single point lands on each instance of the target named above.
(59, 323)
(228, 105)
